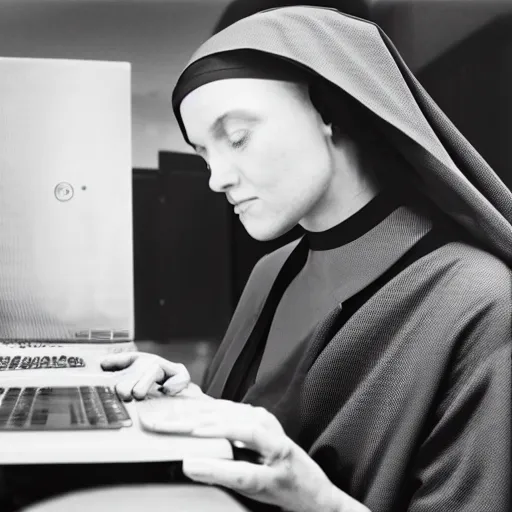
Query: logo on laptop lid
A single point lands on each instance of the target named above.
(64, 191)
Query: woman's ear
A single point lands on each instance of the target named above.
(328, 130)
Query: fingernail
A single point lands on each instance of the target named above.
(170, 391)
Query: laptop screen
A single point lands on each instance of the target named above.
(66, 259)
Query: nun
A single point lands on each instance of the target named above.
(368, 364)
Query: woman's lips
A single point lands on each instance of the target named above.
(242, 206)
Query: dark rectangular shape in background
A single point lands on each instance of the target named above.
(183, 282)
(194, 259)
(146, 237)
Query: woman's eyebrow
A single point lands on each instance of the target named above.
(217, 128)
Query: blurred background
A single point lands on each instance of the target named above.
(192, 257)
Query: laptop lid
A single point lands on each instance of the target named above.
(66, 259)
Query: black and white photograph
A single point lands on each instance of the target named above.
(255, 256)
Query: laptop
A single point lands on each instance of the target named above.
(66, 268)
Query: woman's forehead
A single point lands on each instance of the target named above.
(206, 103)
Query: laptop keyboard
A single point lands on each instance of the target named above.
(18, 362)
(61, 408)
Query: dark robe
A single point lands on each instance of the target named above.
(401, 392)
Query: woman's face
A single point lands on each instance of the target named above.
(267, 148)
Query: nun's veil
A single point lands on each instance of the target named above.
(355, 56)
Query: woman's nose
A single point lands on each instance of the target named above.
(223, 176)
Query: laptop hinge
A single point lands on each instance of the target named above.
(103, 335)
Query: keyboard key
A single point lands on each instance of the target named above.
(8, 403)
(114, 408)
(25, 363)
(23, 407)
(75, 362)
(93, 409)
(41, 408)
(76, 410)
(15, 361)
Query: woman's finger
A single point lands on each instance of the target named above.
(171, 369)
(262, 437)
(124, 387)
(243, 477)
(114, 362)
(164, 425)
(152, 374)
(176, 384)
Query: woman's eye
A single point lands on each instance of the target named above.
(239, 139)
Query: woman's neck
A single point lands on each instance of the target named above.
(352, 186)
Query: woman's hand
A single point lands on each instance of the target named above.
(287, 476)
(139, 372)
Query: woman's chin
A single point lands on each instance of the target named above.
(263, 231)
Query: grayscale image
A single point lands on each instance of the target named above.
(255, 255)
